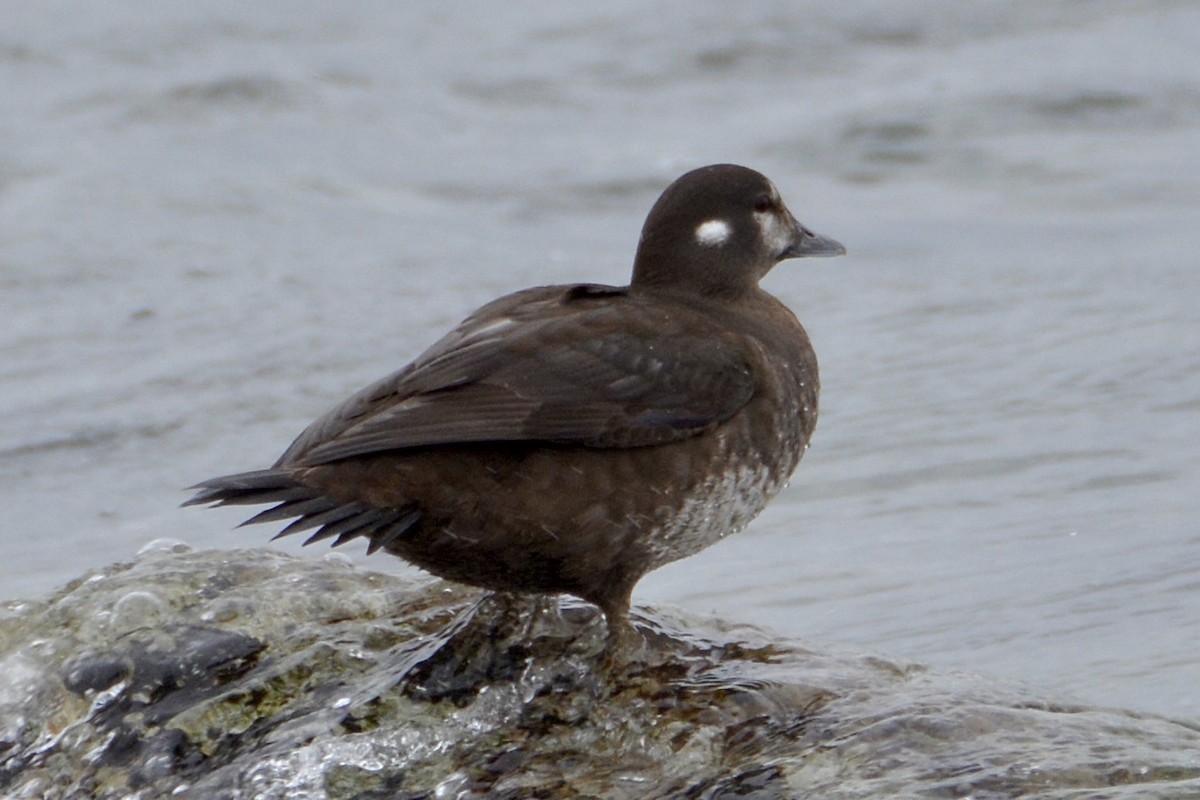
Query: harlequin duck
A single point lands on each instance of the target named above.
(573, 438)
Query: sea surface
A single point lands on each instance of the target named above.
(218, 219)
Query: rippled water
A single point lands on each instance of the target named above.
(218, 219)
(252, 674)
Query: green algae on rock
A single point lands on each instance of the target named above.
(250, 674)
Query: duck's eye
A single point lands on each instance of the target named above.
(764, 203)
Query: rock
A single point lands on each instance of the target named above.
(251, 674)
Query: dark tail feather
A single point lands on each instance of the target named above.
(393, 529)
(248, 488)
(311, 507)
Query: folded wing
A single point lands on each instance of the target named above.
(601, 370)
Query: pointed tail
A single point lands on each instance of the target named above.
(311, 507)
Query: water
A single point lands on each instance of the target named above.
(216, 220)
(338, 682)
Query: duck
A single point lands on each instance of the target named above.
(569, 439)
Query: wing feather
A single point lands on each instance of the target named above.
(543, 366)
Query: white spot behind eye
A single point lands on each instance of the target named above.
(713, 233)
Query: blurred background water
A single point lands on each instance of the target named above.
(217, 219)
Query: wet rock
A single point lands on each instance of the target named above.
(250, 674)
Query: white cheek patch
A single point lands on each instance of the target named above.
(713, 233)
(775, 235)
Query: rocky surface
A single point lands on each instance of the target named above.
(250, 674)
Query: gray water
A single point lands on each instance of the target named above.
(217, 219)
(256, 675)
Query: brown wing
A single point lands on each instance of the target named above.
(581, 365)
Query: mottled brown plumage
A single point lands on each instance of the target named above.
(573, 438)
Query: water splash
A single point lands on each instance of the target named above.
(331, 682)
